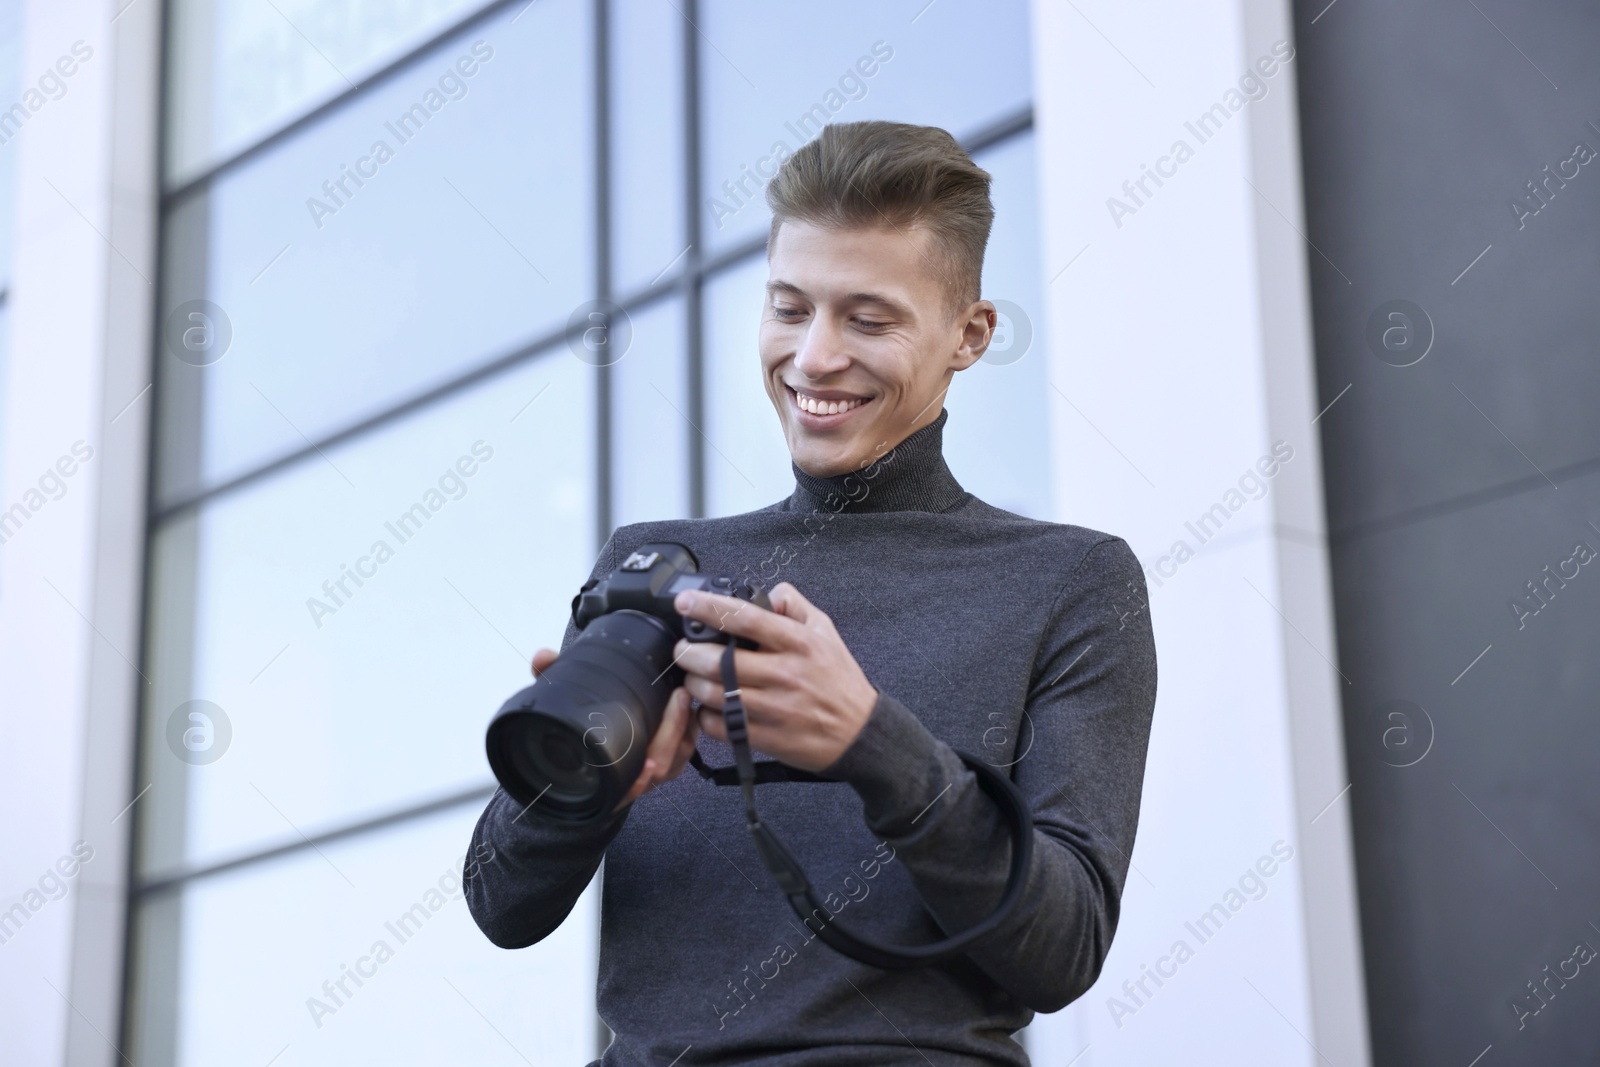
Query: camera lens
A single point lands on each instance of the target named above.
(559, 752)
(572, 744)
(549, 756)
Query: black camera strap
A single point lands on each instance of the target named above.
(747, 773)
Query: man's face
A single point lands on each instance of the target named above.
(858, 340)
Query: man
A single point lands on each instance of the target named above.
(910, 620)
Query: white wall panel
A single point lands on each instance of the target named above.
(1180, 339)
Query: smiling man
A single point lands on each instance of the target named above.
(911, 621)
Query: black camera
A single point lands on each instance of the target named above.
(572, 744)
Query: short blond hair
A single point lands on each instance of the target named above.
(868, 174)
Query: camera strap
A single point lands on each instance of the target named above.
(748, 772)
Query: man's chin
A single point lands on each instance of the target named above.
(825, 461)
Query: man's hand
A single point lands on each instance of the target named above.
(805, 696)
(669, 749)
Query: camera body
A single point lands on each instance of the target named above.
(570, 746)
(649, 581)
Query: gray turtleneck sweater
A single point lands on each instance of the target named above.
(1025, 643)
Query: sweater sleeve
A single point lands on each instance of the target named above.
(1081, 749)
(524, 873)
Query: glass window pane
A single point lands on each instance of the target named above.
(231, 968)
(359, 617)
(996, 440)
(472, 236)
(646, 143)
(10, 93)
(240, 69)
(650, 419)
(773, 74)
(5, 376)
(747, 458)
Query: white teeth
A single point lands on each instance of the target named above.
(825, 407)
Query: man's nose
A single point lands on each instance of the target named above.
(821, 353)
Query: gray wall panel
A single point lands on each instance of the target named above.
(1451, 483)
(1476, 816)
(1421, 124)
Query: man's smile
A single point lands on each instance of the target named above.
(824, 408)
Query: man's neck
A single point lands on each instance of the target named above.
(911, 476)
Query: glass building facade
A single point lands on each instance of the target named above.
(10, 84)
(447, 292)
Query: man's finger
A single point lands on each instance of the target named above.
(664, 749)
(769, 629)
(711, 722)
(788, 602)
(704, 658)
(640, 784)
(691, 722)
(714, 726)
(686, 746)
(707, 694)
(665, 742)
(759, 702)
(542, 660)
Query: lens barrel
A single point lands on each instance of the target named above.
(572, 744)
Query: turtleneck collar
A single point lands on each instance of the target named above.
(911, 476)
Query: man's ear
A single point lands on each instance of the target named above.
(977, 325)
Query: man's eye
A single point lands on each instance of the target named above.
(870, 324)
(787, 313)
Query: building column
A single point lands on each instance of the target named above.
(75, 427)
(1184, 413)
